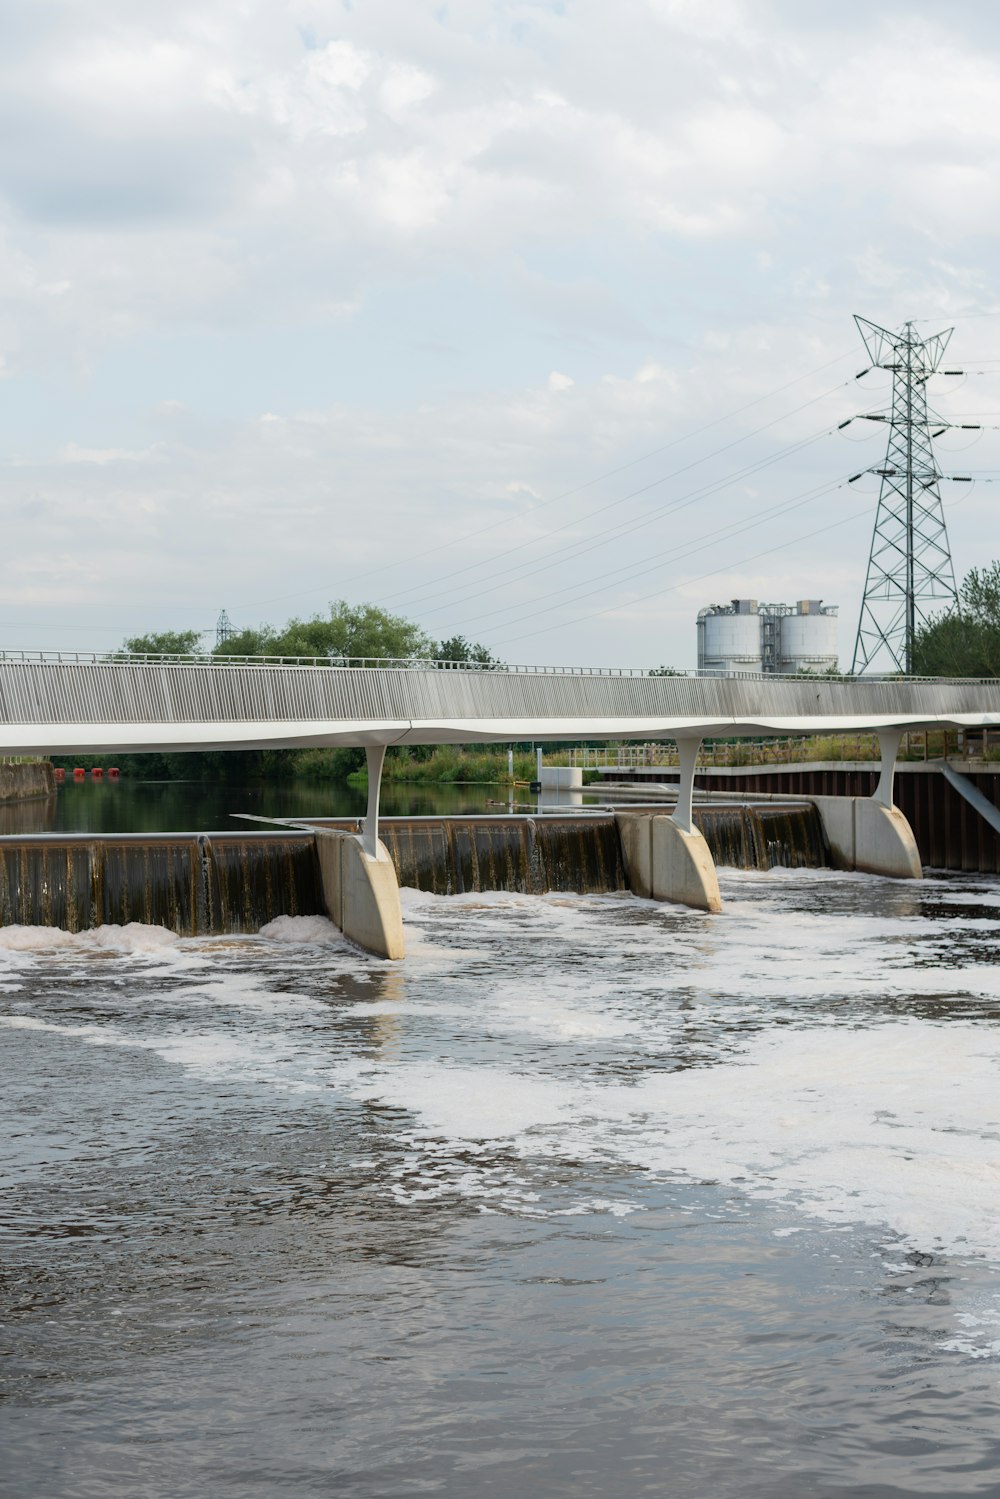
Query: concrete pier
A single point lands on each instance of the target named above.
(863, 834)
(667, 862)
(871, 833)
(361, 892)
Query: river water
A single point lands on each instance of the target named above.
(588, 1197)
(127, 806)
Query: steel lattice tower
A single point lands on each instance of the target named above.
(223, 628)
(909, 567)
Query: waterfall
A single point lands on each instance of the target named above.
(189, 883)
(250, 881)
(224, 882)
(459, 855)
(764, 836)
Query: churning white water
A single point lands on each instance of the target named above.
(805, 1090)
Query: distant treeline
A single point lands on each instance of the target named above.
(346, 631)
(361, 630)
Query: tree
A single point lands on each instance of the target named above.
(460, 649)
(164, 643)
(348, 630)
(248, 642)
(966, 642)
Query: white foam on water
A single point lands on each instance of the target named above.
(34, 938)
(299, 929)
(896, 1127)
(272, 1058)
(95, 1035)
(979, 1331)
(134, 937)
(555, 1050)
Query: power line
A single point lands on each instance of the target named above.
(678, 553)
(408, 595)
(705, 492)
(566, 494)
(644, 598)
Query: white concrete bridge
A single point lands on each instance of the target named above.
(68, 702)
(73, 703)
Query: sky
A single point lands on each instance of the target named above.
(528, 321)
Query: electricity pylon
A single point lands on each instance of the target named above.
(909, 567)
(223, 628)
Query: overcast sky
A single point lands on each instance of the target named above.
(528, 320)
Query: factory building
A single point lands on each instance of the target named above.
(780, 638)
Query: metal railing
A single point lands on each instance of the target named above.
(917, 745)
(433, 663)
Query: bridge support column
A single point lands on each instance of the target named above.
(682, 866)
(868, 832)
(361, 892)
(687, 756)
(889, 741)
(666, 858)
(360, 888)
(375, 756)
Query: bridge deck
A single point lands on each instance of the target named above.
(99, 704)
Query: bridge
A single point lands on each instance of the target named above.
(59, 702)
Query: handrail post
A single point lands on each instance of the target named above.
(375, 756)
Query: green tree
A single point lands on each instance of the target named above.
(348, 630)
(257, 641)
(164, 643)
(964, 642)
(460, 649)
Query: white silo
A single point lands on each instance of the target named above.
(808, 638)
(729, 637)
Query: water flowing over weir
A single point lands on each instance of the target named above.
(455, 856)
(583, 854)
(191, 884)
(220, 882)
(764, 837)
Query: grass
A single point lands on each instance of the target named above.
(450, 765)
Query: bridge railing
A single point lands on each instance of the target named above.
(788, 749)
(426, 663)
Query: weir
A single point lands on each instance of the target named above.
(197, 884)
(73, 702)
(191, 883)
(765, 837)
(455, 856)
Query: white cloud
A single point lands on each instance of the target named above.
(392, 229)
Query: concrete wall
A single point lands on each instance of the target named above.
(664, 862)
(561, 777)
(361, 893)
(20, 783)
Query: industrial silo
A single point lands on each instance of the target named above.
(729, 637)
(808, 638)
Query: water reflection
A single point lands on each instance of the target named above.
(130, 806)
(36, 816)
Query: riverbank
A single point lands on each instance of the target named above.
(449, 765)
(26, 781)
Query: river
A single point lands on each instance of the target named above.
(588, 1197)
(129, 806)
